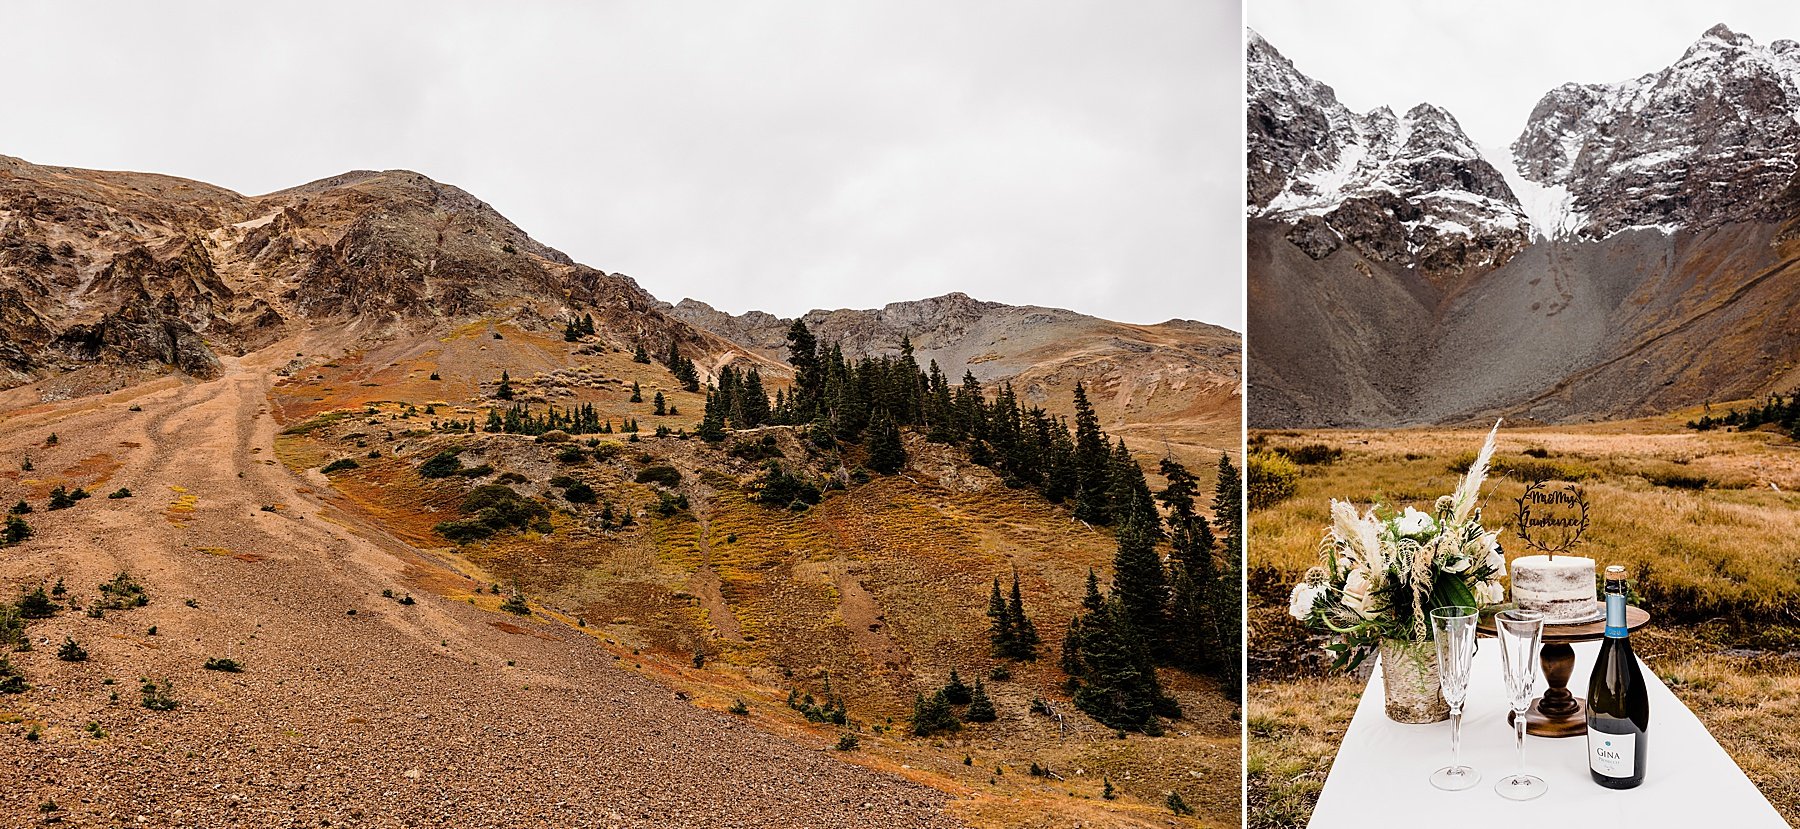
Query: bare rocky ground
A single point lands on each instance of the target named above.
(353, 709)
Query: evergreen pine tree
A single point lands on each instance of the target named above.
(1139, 582)
(16, 530)
(755, 406)
(659, 405)
(587, 324)
(1128, 495)
(1000, 626)
(887, 454)
(505, 392)
(981, 707)
(1191, 631)
(938, 411)
(806, 398)
(1025, 635)
(1118, 684)
(639, 355)
(712, 422)
(956, 691)
(933, 714)
(1093, 463)
(1221, 597)
(1228, 507)
(637, 393)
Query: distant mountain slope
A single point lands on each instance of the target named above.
(107, 277)
(1176, 382)
(109, 270)
(1642, 254)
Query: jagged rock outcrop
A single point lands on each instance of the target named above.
(1712, 138)
(140, 333)
(1410, 190)
(104, 268)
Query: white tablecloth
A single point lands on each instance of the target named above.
(1379, 778)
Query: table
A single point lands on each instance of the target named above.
(1379, 777)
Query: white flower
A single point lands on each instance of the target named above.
(1456, 563)
(1356, 590)
(1495, 558)
(1414, 522)
(1300, 603)
(1489, 592)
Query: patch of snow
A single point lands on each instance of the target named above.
(1550, 208)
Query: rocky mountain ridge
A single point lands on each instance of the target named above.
(1711, 138)
(1411, 190)
(108, 277)
(110, 270)
(1173, 384)
(1658, 267)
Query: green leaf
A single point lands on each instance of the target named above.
(1451, 590)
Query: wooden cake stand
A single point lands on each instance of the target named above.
(1558, 713)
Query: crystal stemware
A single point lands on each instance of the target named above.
(1453, 631)
(1519, 632)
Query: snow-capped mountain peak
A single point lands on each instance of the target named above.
(1707, 140)
(1410, 189)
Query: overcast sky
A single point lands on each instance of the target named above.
(779, 156)
(1489, 63)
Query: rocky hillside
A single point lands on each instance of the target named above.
(106, 278)
(1175, 383)
(1639, 255)
(123, 272)
(323, 421)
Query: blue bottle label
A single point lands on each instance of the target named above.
(1615, 616)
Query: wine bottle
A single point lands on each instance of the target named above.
(1618, 704)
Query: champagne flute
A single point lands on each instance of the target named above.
(1519, 632)
(1453, 630)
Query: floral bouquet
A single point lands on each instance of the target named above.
(1381, 573)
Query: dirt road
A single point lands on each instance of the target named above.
(353, 709)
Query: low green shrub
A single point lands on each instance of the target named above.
(11, 680)
(1271, 479)
(158, 697)
(663, 474)
(123, 593)
(442, 465)
(580, 493)
(494, 508)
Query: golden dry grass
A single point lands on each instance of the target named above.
(1716, 565)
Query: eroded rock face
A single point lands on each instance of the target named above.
(1411, 190)
(1712, 138)
(100, 266)
(140, 333)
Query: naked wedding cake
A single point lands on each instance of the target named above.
(1561, 587)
